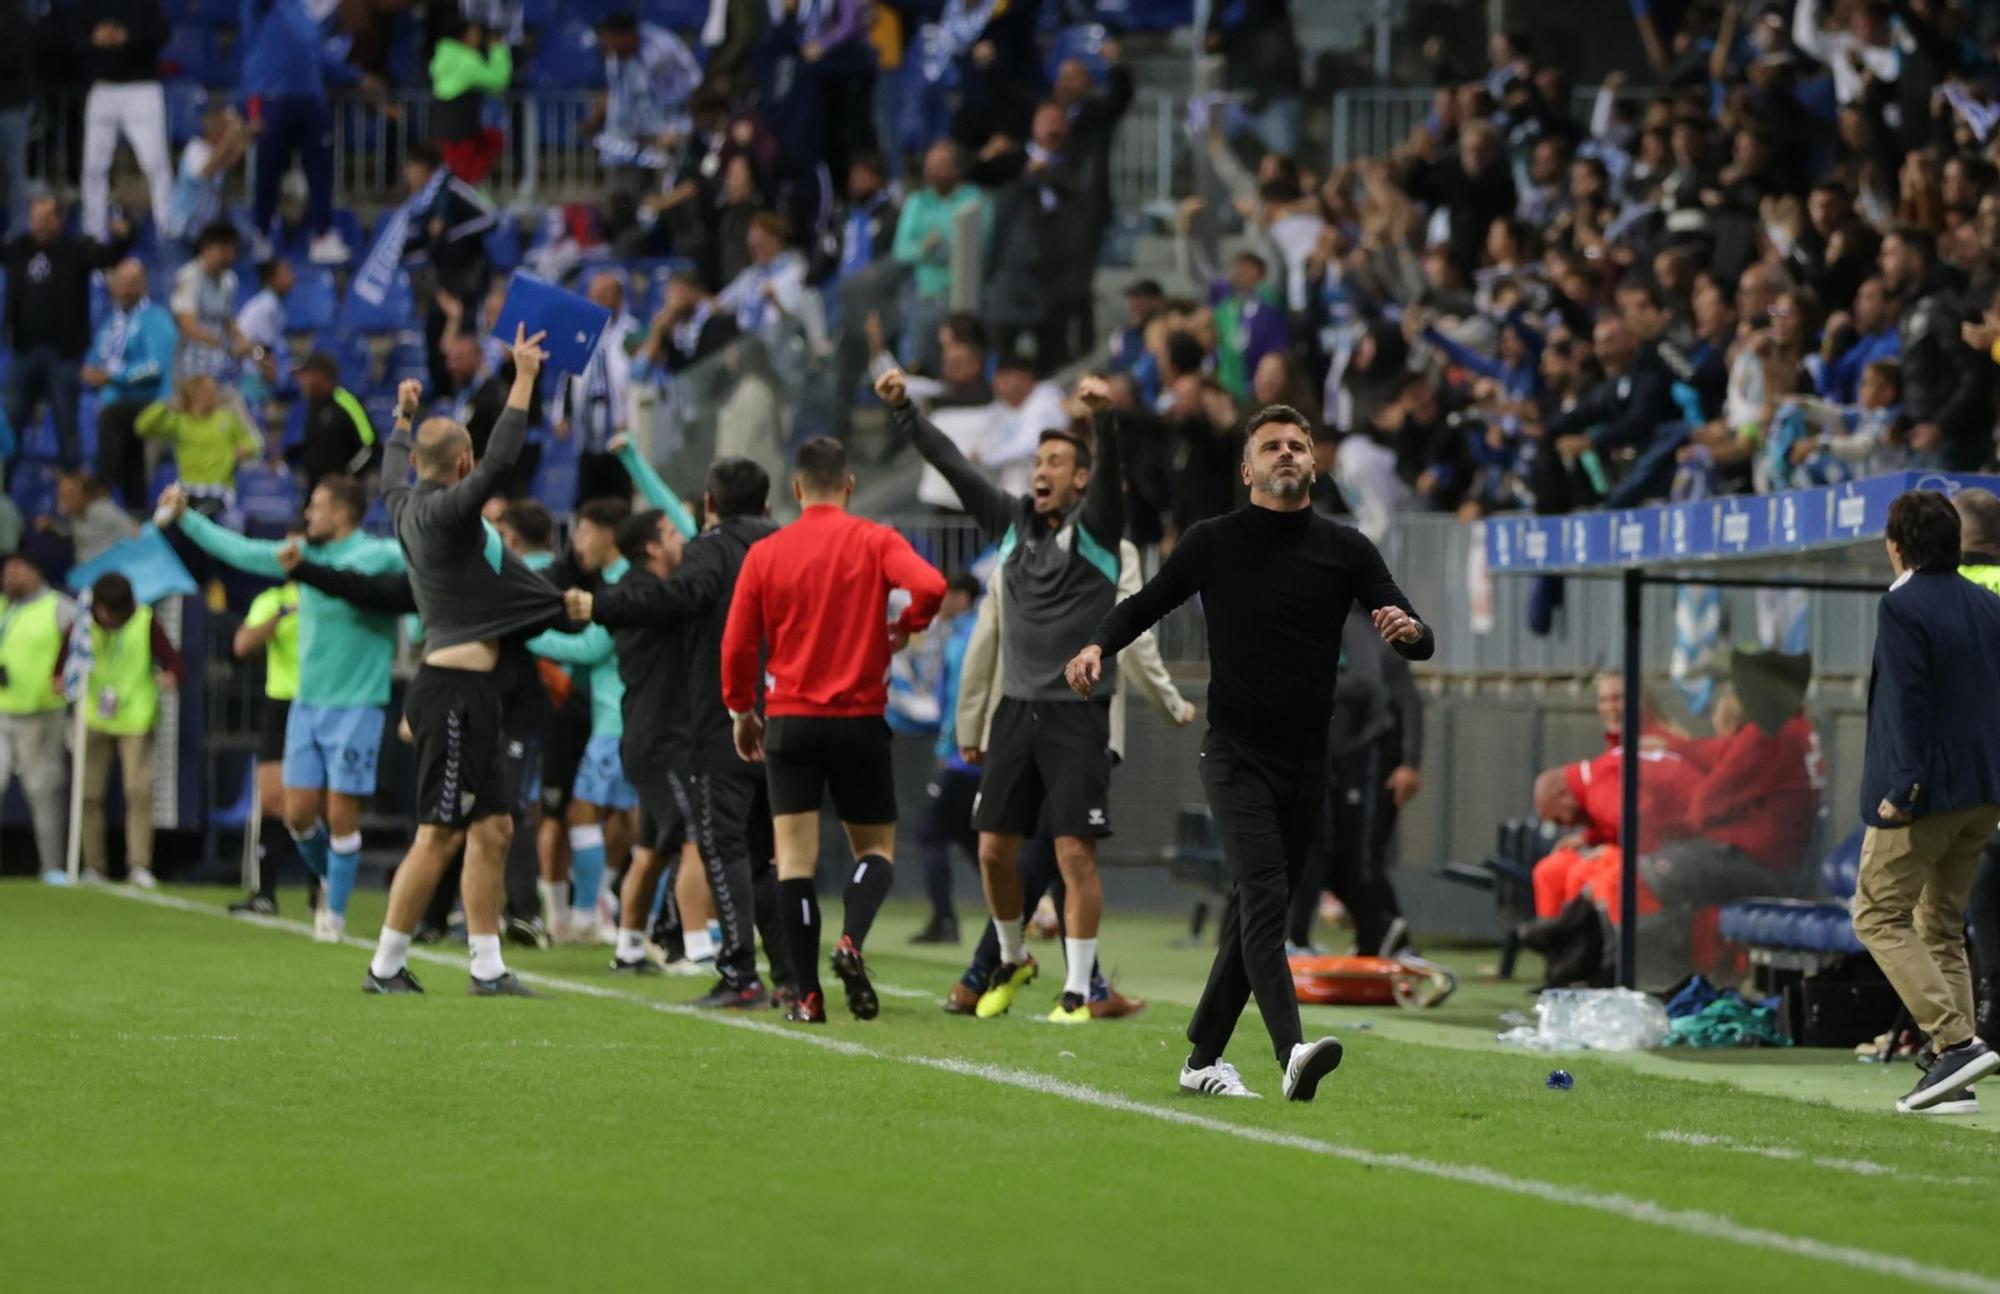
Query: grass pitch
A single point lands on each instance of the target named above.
(194, 1102)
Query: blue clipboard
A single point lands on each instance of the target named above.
(573, 323)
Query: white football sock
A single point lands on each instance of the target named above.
(631, 945)
(699, 944)
(1082, 956)
(392, 953)
(552, 901)
(486, 961)
(1013, 946)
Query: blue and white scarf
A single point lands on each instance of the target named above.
(953, 35)
(377, 274)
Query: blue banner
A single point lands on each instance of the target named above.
(146, 559)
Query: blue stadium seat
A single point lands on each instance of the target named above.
(567, 59)
(406, 350)
(100, 302)
(679, 15)
(192, 54)
(1820, 925)
(293, 434)
(537, 14)
(350, 351)
(33, 485)
(167, 473)
(267, 498)
(313, 304)
(1145, 15)
(215, 13)
(503, 244)
(554, 486)
(348, 225)
(395, 310)
(185, 104)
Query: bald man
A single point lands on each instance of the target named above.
(472, 593)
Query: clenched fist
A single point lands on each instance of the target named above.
(889, 387)
(1095, 393)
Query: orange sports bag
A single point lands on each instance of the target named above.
(1405, 981)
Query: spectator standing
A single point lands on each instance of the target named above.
(1039, 275)
(649, 76)
(771, 297)
(465, 68)
(1930, 787)
(338, 436)
(834, 43)
(209, 438)
(1093, 117)
(48, 320)
(35, 622)
(595, 406)
(204, 305)
(451, 236)
(690, 327)
(17, 100)
(118, 45)
(1950, 424)
(1473, 186)
(859, 271)
(926, 234)
(730, 34)
(1261, 58)
(261, 324)
(287, 70)
(131, 663)
(204, 168)
(130, 366)
(87, 517)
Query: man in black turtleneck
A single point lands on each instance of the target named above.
(1276, 580)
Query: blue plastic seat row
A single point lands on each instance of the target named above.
(1803, 925)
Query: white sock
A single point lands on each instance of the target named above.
(583, 918)
(699, 944)
(1082, 956)
(1013, 947)
(552, 902)
(392, 953)
(631, 945)
(486, 962)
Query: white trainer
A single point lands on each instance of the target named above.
(142, 879)
(329, 249)
(1310, 1062)
(328, 926)
(693, 968)
(1219, 1079)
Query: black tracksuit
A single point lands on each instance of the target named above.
(1276, 588)
(728, 816)
(526, 715)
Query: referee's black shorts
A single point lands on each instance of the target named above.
(455, 718)
(1053, 753)
(807, 757)
(272, 715)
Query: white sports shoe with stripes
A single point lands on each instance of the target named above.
(1219, 1079)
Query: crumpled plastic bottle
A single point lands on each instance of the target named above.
(1594, 1019)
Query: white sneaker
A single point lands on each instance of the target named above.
(328, 926)
(329, 249)
(142, 879)
(693, 968)
(1219, 1079)
(1310, 1062)
(1966, 1102)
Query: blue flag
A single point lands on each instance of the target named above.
(146, 559)
(378, 270)
(77, 660)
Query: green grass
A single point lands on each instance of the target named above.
(197, 1103)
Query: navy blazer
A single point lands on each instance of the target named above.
(1933, 699)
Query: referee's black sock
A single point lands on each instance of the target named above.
(798, 907)
(276, 851)
(866, 889)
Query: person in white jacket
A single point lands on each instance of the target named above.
(1140, 668)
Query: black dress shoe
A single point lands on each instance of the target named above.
(941, 930)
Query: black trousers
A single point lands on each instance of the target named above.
(722, 810)
(1350, 851)
(121, 455)
(1265, 806)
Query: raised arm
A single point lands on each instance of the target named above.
(251, 556)
(396, 487)
(690, 591)
(1103, 514)
(458, 504)
(651, 488)
(986, 503)
(386, 592)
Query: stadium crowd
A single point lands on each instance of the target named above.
(1772, 265)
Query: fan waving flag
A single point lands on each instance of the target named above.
(76, 660)
(377, 274)
(146, 559)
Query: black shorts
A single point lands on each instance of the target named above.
(271, 717)
(562, 751)
(808, 756)
(663, 811)
(521, 757)
(455, 719)
(1056, 753)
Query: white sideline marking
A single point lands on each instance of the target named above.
(1693, 1222)
(1789, 1154)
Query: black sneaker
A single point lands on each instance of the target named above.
(527, 932)
(644, 966)
(727, 997)
(507, 985)
(941, 930)
(255, 905)
(853, 973)
(1308, 1064)
(1955, 1070)
(401, 982)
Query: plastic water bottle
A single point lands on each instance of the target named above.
(1559, 1080)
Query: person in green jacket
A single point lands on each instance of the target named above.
(131, 664)
(465, 69)
(209, 439)
(34, 624)
(926, 234)
(333, 734)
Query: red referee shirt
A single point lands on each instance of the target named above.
(818, 593)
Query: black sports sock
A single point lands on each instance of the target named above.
(777, 948)
(798, 908)
(277, 853)
(866, 890)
